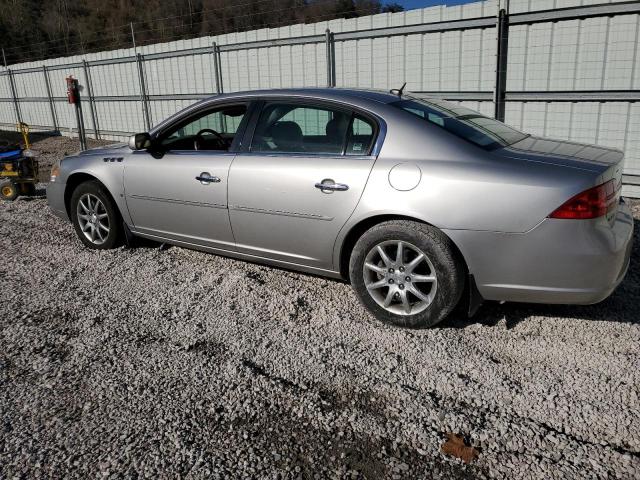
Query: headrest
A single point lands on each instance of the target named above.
(286, 135)
(336, 126)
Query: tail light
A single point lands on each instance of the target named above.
(593, 203)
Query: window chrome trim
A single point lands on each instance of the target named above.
(203, 153)
(308, 155)
(197, 153)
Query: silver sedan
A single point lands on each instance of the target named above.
(420, 204)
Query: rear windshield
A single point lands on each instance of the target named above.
(482, 131)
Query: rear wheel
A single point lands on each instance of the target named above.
(406, 273)
(95, 216)
(8, 190)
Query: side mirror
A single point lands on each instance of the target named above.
(140, 141)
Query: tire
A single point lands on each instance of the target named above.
(90, 228)
(415, 292)
(8, 190)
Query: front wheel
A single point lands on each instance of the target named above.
(95, 217)
(406, 273)
(8, 190)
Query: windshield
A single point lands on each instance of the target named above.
(467, 124)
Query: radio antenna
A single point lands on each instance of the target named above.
(398, 92)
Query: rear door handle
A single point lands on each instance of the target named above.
(205, 178)
(329, 185)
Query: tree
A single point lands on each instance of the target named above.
(392, 8)
(33, 30)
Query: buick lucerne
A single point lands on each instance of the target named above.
(419, 203)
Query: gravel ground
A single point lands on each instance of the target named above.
(173, 363)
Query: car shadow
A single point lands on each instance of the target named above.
(622, 306)
(39, 194)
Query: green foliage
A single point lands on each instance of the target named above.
(33, 30)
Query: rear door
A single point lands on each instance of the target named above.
(301, 179)
(178, 189)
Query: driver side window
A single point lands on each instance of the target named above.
(209, 130)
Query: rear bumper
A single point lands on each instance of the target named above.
(55, 199)
(559, 261)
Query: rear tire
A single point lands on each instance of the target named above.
(406, 273)
(8, 190)
(95, 216)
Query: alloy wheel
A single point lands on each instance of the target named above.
(93, 218)
(400, 277)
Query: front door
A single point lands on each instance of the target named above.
(290, 195)
(178, 190)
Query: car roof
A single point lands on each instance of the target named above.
(319, 93)
(352, 96)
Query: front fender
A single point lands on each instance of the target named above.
(75, 170)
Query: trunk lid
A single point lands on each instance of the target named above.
(604, 162)
(563, 153)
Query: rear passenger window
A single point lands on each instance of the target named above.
(294, 128)
(312, 121)
(360, 137)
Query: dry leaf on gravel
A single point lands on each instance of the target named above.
(456, 447)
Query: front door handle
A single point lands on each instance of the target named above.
(327, 185)
(205, 178)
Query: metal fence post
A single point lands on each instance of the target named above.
(52, 107)
(216, 69)
(331, 65)
(218, 60)
(143, 92)
(82, 133)
(14, 96)
(502, 47)
(92, 106)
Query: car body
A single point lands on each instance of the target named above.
(260, 199)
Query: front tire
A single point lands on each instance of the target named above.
(8, 190)
(406, 273)
(95, 216)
